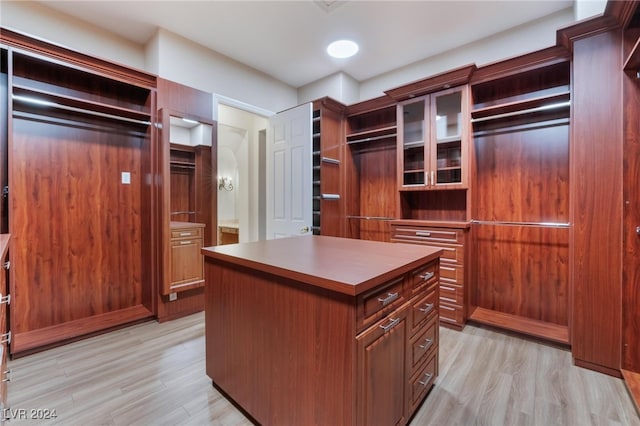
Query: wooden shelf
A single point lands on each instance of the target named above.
(544, 330)
(372, 135)
(521, 107)
(41, 98)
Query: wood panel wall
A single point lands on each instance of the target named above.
(596, 202)
(195, 103)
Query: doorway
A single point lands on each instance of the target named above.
(241, 172)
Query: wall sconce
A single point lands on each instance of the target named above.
(225, 183)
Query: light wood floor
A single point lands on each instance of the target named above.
(155, 374)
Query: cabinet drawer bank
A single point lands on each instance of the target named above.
(323, 330)
(452, 238)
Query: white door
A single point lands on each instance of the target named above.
(289, 173)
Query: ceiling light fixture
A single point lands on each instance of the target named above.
(342, 49)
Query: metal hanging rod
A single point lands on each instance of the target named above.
(42, 102)
(557, 105)
(510, 223)
(371, 217)
(173, 213)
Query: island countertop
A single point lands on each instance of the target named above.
(344, 265)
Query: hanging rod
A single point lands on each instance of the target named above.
(42, 102)
(183, 213)
(524, 111)
(371, 217)
(509, 223)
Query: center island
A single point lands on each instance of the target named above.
(318, 330)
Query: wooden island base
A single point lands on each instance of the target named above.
(322, 330)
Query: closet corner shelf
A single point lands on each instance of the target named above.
(558, 100)
(35, 97)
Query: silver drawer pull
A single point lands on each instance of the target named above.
(427, 308)
(427, 379)
(185, 242)
(444, 287)
(390, 298)
(427, 344)
(5, 338)
(5, 299)
(427, 276)
(6, 265)
(185, 234)
(392, 323)
(423, 234)
(7, 376)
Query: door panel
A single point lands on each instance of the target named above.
(289, 173)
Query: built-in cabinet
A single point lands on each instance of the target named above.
(187, 265)
(80, 142)
(432, 142)
(328, 167)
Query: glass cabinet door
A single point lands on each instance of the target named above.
(447, 141)
(412, 118)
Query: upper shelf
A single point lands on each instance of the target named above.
(537, 104)
(372, 135)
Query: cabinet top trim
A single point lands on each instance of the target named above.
(445, 80)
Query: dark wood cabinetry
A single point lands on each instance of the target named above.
(187, 162)
(79, 144)
(521, 197)
(368, 355)
(371, 168)
(328, 168)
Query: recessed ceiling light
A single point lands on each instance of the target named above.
(342, 49)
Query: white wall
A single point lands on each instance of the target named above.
(41, 22)
(527, 38)
(239, 130)
(191, 64)
(339, 86)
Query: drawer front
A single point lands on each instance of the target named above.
(452, 273)
(423, 308)
(451, 253)
(427, 235)
(426, 275)
(423, 381)
(451, 293)
(186, 233)
(380, 301)
(423, 343)
(451, 314)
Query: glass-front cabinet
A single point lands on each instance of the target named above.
(433, 141)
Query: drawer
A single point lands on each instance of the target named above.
(423, 308)
(423, 381)
(380, 301)
(451, 314)
(452, 273)
(451, 293)
(427, 234)
(228, 230)
(451, 253)
(423, 343)
(427, 274)
(186, 233)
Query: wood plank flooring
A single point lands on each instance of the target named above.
(154, 374)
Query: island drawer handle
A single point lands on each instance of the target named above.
(423, 234)
(424, 382)
(390, 298)
(427, 308)
(427, 276)
(185, 234)
(427, 344)
(389, 326)
(185, 242)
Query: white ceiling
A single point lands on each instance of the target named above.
(287, 39)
